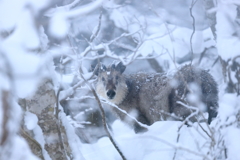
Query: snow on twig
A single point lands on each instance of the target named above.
(123, 111)
(109, 53)
(96, 32)
(85, 9)
(78, 12)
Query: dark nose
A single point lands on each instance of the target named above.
(111, 94)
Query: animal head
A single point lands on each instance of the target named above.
(111, 84)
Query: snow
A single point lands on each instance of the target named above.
(73, 139)
(22, 152)
(228, 106)
(159, 141)
(160, 33)
(26, 77)
(228, 45)
(38, 136)
(43, 38)
(23, 63)
(30, 120)
(233, 136)
(122, 17)
(59, 25)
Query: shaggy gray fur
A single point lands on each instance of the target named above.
(154, 97)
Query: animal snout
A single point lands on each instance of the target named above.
(111, 94)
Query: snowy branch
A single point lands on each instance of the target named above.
(123, 111)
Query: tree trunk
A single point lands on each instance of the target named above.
(42, 104)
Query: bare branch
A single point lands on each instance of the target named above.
(94, 35)
(103, 118)
(58, 123)
(193, 24)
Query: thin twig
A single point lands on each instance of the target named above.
(128, 115)
(94, 35)
(178, 137)
(169, 32)
(104, 118)
(193, 24)
(176, 146)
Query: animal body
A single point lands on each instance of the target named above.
(154, 97)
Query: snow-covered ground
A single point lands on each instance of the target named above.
(130, 32)
(166, 139)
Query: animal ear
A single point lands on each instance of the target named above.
(99, 68)
(120, 67)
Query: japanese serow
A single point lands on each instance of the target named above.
(157, 97)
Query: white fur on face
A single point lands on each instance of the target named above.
(121, 92)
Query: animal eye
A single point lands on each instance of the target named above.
(103, 79)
